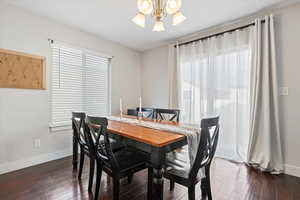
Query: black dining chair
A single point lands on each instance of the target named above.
(206, 151)
(132, 112)
(118, 164)
(147, 112)
(173, 114)
(78, 123)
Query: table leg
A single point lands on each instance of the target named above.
(75, 152)
(157, 161)
(150, 183)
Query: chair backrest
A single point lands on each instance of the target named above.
(132, 112)
(207, 145)
(173, 114)
(78, 120)
(147, 112)
(96, 131)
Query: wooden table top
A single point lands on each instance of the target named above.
(153, 137)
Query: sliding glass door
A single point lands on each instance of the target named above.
(215, 80)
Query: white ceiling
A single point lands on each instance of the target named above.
(111, 19)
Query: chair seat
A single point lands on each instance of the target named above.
(130, 160)
(181, 177)
(176, 172)
(179, 159)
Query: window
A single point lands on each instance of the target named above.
(80, 82)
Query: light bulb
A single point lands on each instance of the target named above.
(145, 6)
(178, 18)
(139, 20)
(158, 26)
(173, 6)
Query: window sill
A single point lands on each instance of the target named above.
(60, 128)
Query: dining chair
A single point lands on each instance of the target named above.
(78, 123)
(147, 112)
(132, 112)
(206, 151)
(118, 164)
(173, 114)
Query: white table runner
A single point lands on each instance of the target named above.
(177, 159)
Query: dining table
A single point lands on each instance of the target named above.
(153, 141)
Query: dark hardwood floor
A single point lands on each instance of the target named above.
(57, 181)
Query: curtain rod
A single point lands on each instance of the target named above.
(220, 33)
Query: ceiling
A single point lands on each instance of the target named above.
(111, 19)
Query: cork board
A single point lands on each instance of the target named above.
(21, 70)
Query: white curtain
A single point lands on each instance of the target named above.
(174, 83)
(265, 150)
(214, 77)
(234, 76)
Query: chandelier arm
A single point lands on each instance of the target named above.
(154, 8)
(164, 13)
(164, 4)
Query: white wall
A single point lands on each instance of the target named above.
(154, 77)
(288, 52)
(154, 67)
(25, 114)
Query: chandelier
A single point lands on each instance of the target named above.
(158, 9)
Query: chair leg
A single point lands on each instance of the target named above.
(91, 178)
(129, 178)
(208, 186)
(150, 179)
(191, 192)
(116, 188)
(205, 185)
(172, 185)
(98, 181)
(108, 180)
(203, 189)
(81, 162)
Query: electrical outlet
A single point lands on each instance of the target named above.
(37, 143)
(283, 91)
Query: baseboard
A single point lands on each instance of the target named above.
(31, 161)
(292, 170)
(289, 169)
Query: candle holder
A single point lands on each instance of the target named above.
(140, 115)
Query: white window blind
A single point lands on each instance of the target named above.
(96, 85)
(80, 82)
